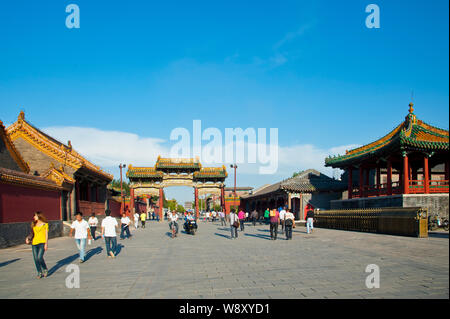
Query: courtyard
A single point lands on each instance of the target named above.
(325, 264)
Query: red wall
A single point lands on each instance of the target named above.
(114, 207)
(18, 203)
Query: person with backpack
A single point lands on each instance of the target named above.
(289, 221)
(274, 221)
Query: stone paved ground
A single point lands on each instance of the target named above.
(325, 264)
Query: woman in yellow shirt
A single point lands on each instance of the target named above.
(39, 243)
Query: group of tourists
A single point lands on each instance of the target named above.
(84, 233)
(273, 217)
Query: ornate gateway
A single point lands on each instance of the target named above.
(150, 181)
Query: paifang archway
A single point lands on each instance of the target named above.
(151, 181)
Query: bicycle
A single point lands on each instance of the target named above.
(173, 229)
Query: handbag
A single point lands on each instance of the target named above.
(30, 237)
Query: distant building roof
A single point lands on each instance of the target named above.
(307, 181)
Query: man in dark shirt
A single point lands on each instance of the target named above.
(254, 216)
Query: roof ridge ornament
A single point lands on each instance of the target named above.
(411, 109)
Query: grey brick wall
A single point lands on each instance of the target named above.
(12, 234)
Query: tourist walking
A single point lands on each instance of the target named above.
(289, 222)
(143, 218)
(172, 218)
(309, 221)
(93, 223)
(136, 220)
(266, 215)
(81, 233)
(241, 216)
(223, 221)
(125, 226)
(274, 221)
(234, 224)
(254, 217)
(109, 234)
(282, 214)
(38, 239)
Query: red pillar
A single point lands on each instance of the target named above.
(405, 175)
(161, 204)
(131, 200)
(350, 182)
(196, 201)
(361, 182)
(367, 179)
(222, 198)
(378, 182)
(88, 190)
(426, 177)
(77, 201)
(389, 177)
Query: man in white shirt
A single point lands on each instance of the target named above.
(172, 218)
(282, 215)
(125, 226)
(289, 223)
(93, 223)
(233, 218)
(136, 220)
(223, 222)
(81, 233)
(109, 225)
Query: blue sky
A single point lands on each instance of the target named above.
(310, 68)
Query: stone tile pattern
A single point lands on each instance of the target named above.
(325, 264)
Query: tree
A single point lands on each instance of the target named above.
(115, 183)
(180, 209)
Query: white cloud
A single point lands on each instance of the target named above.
(109, 148)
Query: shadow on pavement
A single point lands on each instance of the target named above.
(8, 262)
(437, 234)
(222, 235)
(119, 249)
(63, 262)
(267, 237)
(92, 252)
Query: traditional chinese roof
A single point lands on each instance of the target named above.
(311, 181)
(64, 154)
(178, 163)
(59, 176)
(23, 179)
(143, 172)
(307, 181)
(211, 172)
(410, 135)
(15, 155)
